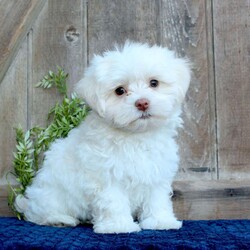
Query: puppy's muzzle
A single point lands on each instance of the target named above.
(142, 104)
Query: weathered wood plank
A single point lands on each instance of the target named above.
(16, 18)
(215, 208)
(207, 200)
(59, 38)
(13, 108)
(184, 27)
(232, 70)
(195, 200)
(114, 21)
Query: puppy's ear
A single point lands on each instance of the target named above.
(87, 88)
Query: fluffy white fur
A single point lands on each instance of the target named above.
(117, 167)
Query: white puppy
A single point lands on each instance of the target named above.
(118, 165)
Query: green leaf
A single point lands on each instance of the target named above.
(27, 136)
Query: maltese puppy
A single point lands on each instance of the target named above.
(115, 170)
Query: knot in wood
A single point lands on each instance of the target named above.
(71, 34)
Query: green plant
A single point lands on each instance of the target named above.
(32, 144)
(58, 80)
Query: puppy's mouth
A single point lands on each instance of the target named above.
(145, 116)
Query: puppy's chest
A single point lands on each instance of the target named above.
(139, 162)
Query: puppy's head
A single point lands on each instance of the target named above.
(135, 87)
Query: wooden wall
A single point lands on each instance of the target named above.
(214, 176)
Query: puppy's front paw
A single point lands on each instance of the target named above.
(153, 223)
(108, 227)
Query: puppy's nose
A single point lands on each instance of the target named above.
(142, 104)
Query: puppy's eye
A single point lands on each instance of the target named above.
(120, 91)
(154, 83)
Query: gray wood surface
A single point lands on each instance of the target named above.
(212, 200)
(196, 200)
(16, 18)
(59, 39)
(115, 21)
(13, 108)
(232, 78)
(185, 28)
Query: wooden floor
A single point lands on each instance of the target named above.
(195, 200)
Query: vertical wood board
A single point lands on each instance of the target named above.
(114, 21)
(232, 71)
(13, 108)
(186, 28)
(59, 39)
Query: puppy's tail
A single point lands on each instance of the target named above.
(21, 204)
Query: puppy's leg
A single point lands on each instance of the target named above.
(62, 220)
(44, 209)
(157, 212)
(111, 212)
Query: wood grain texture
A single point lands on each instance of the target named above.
(232, 71)
(114, 21)
(13, 108)
(182, 26)
(199, 200)
(211, 200)
(185, 28)
(16, 18)
(59, 38)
